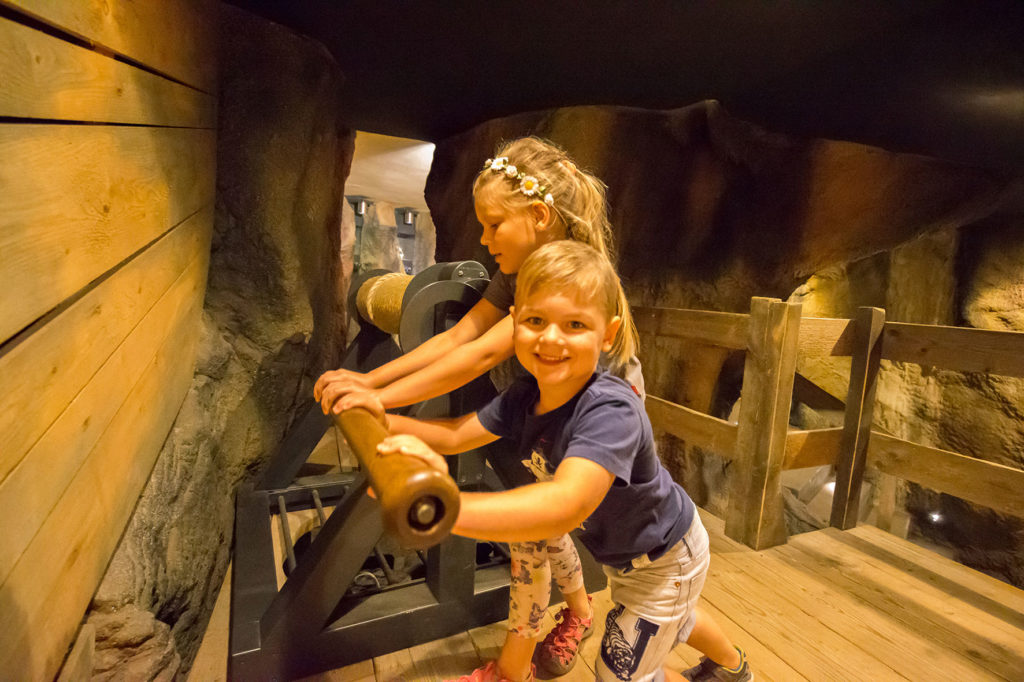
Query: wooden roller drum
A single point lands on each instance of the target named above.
(379, 300)
(419, 504)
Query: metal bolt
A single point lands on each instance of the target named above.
(423, 512)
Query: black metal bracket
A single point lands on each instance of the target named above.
(313, 623)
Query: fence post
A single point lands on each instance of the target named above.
(860, 405)
(756, 516)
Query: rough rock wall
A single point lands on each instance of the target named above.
(710, 210)
(274, 318)
(425, 242)
(378, 246)
(970, 277)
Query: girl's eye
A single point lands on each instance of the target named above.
(576, 324)
(533, 321)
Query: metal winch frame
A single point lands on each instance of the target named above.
(309, 625)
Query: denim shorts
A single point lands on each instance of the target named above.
(654, 609)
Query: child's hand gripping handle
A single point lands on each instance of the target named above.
(419, 504)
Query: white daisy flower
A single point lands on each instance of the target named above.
(511, 171)
(499, 163)
(529, 185)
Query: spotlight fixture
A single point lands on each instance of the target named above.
(935, 517)
(409, 216)
(361, 207)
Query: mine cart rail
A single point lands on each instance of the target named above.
(761, 444)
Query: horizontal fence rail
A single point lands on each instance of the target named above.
(962, 349)
(826, 336)
(816, 447)
(988, 484)
(867, 339)
(724, 330)
(694, 427)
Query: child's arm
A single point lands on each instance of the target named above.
(448, 372)
(473, 324)
(531, 512)
(447, 436)
(454, 369)
(539, 510)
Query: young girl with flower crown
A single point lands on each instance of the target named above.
(531, 193)
(591, 434)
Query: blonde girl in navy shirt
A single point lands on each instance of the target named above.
(530, 194)
(588, 432)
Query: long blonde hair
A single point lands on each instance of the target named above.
(579, 206)
(568, 266)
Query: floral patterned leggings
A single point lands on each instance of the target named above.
(533, 566)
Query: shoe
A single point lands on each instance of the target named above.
(557, 654)
(489, 673)
(709, 671)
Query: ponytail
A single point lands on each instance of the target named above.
(579, 203)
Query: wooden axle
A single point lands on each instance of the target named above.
(418, 503)
(379, 300)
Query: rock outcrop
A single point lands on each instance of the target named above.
(968, 277)
(710, 210)
(274, 319)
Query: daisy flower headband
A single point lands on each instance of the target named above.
(528, 184)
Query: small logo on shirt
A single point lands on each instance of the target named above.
(539, 467)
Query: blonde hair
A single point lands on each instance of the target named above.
(568, 266)
(580, 206)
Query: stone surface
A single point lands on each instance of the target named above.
(378, 242)
(973, 277)
(274, 319)
(710, 210)
(426, 242)
(132, 645)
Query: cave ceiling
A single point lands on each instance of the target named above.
(942, 78)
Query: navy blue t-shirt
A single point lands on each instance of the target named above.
(645, 511)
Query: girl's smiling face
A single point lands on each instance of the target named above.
(510, 234)
(559, 337)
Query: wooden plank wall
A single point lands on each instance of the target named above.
(108, 142)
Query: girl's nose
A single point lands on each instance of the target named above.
(551, 334)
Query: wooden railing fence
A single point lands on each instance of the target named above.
(761, 445)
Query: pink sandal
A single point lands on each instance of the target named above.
(557, 654)
(489, 673)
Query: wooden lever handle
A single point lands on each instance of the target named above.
(419, 504)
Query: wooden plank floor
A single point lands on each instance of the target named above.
(829, 605)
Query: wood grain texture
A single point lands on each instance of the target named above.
(755, 497)
(967, 583)
(812, 448)
(772, 579)
(77, 200)
(44, 372)
(725, 330)
(958, 348)
(78, 665)
(830, 605)
(826, 336)
(35, 486)
(986, 483)
(989, 643)
(696, 428)
(173, 37)
(45, 595)
(860, 408)
(49, 78)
